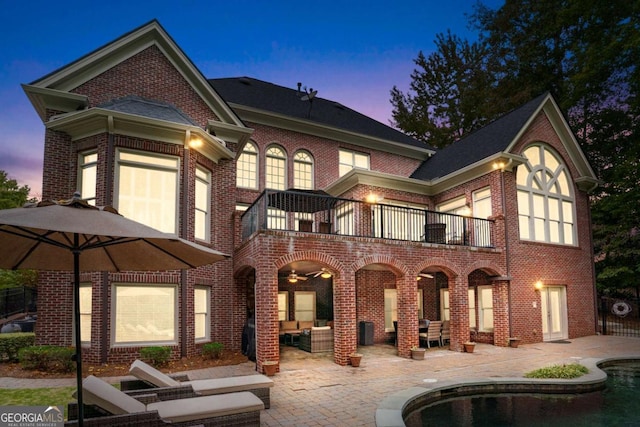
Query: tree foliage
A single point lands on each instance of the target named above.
(12, 195)
(587, 54)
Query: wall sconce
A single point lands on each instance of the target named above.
(373, 198)
(195, 143)
(538, 285)
(499, 164)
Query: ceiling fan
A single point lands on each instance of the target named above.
(421, 275)
(323, 272)
(293, 277)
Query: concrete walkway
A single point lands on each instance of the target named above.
(311, 390)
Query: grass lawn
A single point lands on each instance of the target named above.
(55, 396)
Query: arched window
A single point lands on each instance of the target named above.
(276, 165)
(545, 198)
(303, 170)
(247, 167)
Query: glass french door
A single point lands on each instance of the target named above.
(554, 313)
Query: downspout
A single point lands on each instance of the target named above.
(184, 229)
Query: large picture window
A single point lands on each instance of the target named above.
(545, 198)
(147, 189)
(247, 167)
(144, 314)
(305, 305)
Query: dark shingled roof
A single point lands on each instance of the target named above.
(267, 96)
(148, 108)
(485, 142)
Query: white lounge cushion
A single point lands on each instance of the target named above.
(197, 408)
(146, 372)
(100, 393)
(229, 384)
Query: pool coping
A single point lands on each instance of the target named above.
(392, 410)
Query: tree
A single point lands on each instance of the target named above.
(587, 54)
(11, 195)
(450, 88)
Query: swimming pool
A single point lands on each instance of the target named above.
(614, 405)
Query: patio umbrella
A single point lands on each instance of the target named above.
(76, 236)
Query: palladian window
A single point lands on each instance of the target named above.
(545, 198)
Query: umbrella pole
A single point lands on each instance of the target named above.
(76, 313)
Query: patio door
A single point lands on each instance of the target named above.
(554, 313)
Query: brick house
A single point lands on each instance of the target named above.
(296, 187)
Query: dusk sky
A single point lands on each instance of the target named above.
(352, 52)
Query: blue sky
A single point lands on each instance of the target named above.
(352, 52)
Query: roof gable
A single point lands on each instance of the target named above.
(476, 151)
(50, 90)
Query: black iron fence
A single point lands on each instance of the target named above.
(311, 212)
(17, 300)
(619, 316)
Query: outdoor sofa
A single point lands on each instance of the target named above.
(149, 377)
(105, 405)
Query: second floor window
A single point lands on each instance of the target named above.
(88, 163)
(352, 160)
(203, 203)
(276, 168)
(545, 199)
(147, 189)
(303, 171)
(247, 167)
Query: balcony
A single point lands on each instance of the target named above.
(311, 211)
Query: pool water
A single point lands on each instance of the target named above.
(617, 405)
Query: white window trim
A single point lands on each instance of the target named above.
(285, 297)
(176, 169)
(207, 214)
(481, 308)
(256, 155)
(207, 313)
(84, 167)
(114, 303)
(283, 158)
(352, 164)
(310, 162)
(83, 314)
(296, 294)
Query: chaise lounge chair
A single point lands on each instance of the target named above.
(113, 407)
(149, 377)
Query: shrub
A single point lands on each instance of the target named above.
(10, 344)
(572, 370)
(47, 358)
(156, 356)
(212, 350)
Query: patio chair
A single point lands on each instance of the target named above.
(107, 406)
(445, 335)
(432, 334)
(149, 377)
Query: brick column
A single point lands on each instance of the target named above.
(267, 345)
(459, 312)
(407, 315)
(501, 313)
(345, 331)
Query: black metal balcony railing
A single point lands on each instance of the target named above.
(312, 212)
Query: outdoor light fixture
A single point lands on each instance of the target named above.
(195, 142)
(373, 198)
(325, 274)
(292, 279)
(538, 285)
(499, 165)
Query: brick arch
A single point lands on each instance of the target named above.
(450, 269)
(246, 263)
(311, 255)
(487, 266)
(398, 268)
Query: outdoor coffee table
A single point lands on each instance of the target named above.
(292, 338)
